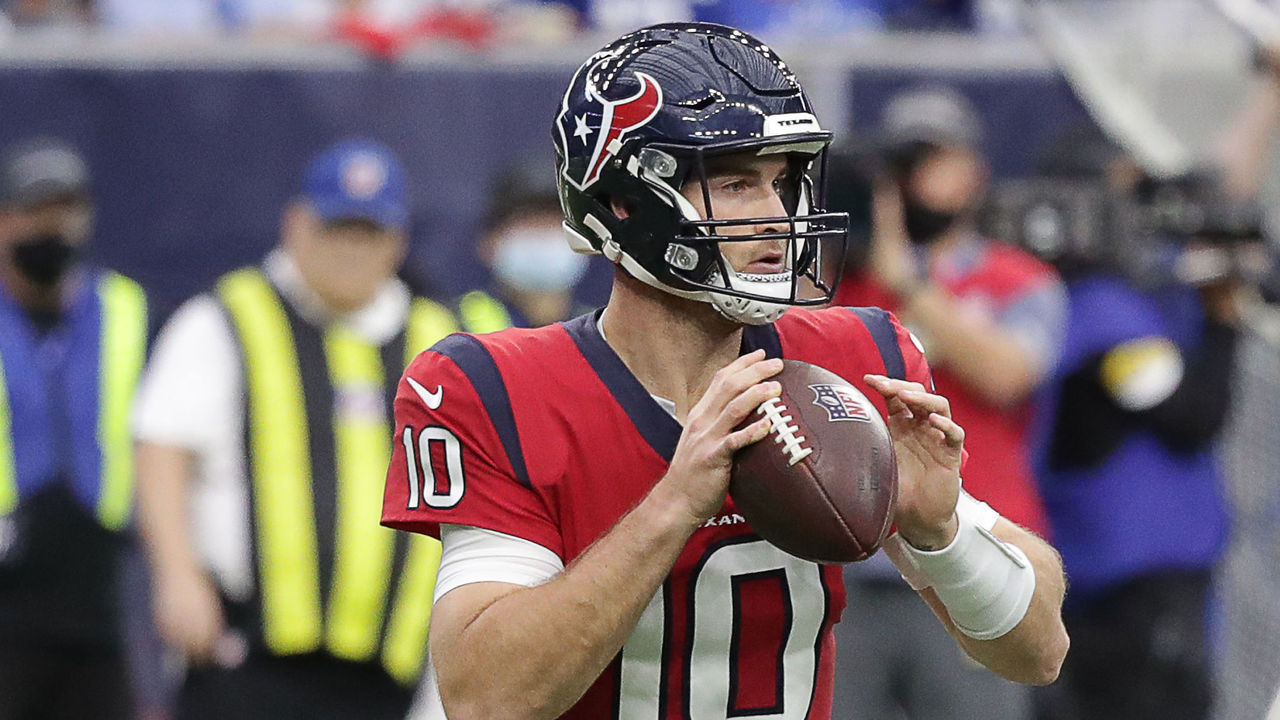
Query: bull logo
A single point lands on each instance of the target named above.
(617, 118)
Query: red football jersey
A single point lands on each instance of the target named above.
(544, 434)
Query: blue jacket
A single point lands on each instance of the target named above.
(1149, 503)
(66, 397)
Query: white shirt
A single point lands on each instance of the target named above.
(192, 396)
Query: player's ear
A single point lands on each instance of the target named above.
(619, 208)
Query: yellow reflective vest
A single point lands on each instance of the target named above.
(106, 325)
(482, 313)
(318, 433)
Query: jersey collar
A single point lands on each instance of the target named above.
(654, 423)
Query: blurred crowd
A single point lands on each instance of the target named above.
(385, 27)
(1086, 323)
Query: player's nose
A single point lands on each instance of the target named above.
(773, 215)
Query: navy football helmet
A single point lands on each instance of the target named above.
(642, 118)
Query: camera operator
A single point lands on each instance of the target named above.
(1126, 453)
(989, 316)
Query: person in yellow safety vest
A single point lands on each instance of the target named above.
(72, 343)
(522, 242)
(263, 424)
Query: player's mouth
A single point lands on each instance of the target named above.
(772, 263)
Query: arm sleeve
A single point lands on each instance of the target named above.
(449, 465)
(472, 555)
(1037, 321)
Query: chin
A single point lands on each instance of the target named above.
(349, 302)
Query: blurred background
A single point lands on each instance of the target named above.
(196, 119)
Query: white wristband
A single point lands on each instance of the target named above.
(985, 584)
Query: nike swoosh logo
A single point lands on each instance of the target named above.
(432, 399)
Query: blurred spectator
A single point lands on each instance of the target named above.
(619, 16)
(157, 17)
(534, 271)
(990, 318)
(990, 315)
(383, 28)
(783, 20)
(386, 27)
(263, 428)
(1127, 462)
(42, 13)
(928, 14)
(72, 345)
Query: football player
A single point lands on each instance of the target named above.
(593, 565)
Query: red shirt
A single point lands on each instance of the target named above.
(545, 435)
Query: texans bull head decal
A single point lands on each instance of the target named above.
(617, 118)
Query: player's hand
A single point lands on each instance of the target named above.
(891, 261)
(188, 613)
(699, 472)
(1221, 301)
(928, 445)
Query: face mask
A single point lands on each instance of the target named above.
(925, 225)
(537, 261)
(44, 259)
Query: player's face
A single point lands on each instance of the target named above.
(345, 262)
(744, 186)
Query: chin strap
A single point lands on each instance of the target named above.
(747, 312)
(750, 311)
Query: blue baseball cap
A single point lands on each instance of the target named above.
(358, 179)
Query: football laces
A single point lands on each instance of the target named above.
(785, 431)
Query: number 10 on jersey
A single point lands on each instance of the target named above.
(441, 490)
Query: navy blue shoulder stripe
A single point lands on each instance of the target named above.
(473, 358)
(882, 331)
(659, 429)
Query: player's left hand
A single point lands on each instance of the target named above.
(928, 444)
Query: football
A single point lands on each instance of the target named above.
(822, 484)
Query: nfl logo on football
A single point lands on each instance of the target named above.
(839, 402)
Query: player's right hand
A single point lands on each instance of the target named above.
(699, 472)
(188, 613)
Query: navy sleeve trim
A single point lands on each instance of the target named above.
(473, 358)
(880, 325)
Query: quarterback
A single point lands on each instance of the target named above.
(593, 564)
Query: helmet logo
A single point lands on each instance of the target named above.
(617, 118)
(364, 176)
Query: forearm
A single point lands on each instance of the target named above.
(533, 652)
(1033, 651)
(163, 506)
(983, 356)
